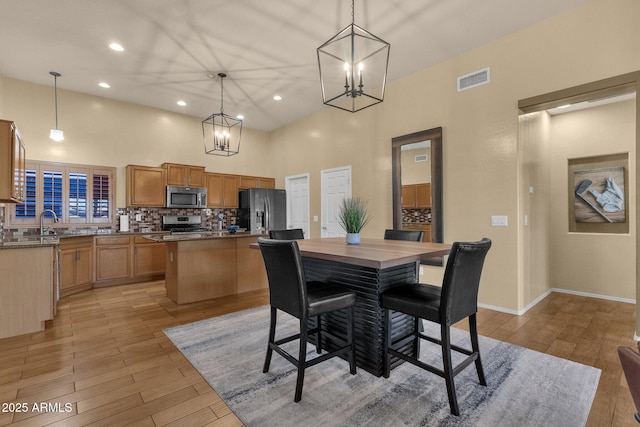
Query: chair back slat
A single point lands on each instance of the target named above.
(459, 297)
(409, 235)
(290, 234)
(287, 285)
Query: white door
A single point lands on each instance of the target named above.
(336, 186)
(298, 202)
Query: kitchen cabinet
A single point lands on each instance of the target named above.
(148, 258)
(256, 182)
(222, 190)
(185, 175)
(416, 196)
(113, 260)
(76, 264)
(27, 288)
(12, 164)
(146, 186)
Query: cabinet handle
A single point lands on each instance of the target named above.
(77, 255)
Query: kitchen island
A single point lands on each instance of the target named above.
(202, 266)
(28, 290)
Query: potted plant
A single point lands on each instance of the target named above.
(353, 217)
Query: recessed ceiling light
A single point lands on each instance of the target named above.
(240, 117)
(116, 46)
(277, 98)
(181, 103)
(104, 85)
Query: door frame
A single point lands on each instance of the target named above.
(323, 196)
(287, 186)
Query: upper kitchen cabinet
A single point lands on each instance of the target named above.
(416, 196)
(222, 190)
(12, 164)
(184, 175)
(146, 186)
(256, 182)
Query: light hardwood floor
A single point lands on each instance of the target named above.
(106, 357)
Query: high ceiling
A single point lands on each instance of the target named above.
(267, 47)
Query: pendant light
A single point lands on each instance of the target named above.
(221, 132)
(56, 134)
(353, 68)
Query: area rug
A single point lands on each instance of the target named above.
(525, 387)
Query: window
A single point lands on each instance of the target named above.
(78, 194)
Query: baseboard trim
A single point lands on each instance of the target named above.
(562, 291)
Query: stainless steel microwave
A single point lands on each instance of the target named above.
(186, 197)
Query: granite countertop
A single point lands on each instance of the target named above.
(31, 241)
(223, 234)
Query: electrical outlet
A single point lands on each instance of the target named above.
(138, 217)
(499, 221)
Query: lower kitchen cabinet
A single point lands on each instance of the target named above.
(148, 258)
(128, 259)
(76, 264)
(113, 260)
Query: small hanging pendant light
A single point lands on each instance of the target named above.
(344, 62)
(56, 134)
(221, 132)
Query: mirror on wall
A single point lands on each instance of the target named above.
(417, 183)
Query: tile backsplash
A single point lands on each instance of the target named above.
(150, 220)
(416, 216)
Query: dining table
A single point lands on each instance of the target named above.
(368, 269)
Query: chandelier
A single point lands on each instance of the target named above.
(221, 132)
(353, 68)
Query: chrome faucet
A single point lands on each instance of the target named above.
(55, 219)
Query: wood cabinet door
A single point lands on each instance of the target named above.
(84, 266)
(423, 195)
(230, 191)
(408, 196)
(248, 182)
(176, 174)
(215, 196)
(195, 177)
(145, 186)
(267, 183)
(113, 262)
(19, 167)
(67, 268)
(148, 259)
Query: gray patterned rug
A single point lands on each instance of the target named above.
(525, 388)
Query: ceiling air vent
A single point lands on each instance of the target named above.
(477, 78)
(421, 158)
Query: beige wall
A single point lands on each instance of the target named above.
(105, 132)
(592, 262)
(415, 172)
(596, 40)
(480, 129)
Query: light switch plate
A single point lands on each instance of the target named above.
(315, 218)
(499, 220)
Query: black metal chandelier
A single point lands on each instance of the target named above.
(353, 68)
(221, 132)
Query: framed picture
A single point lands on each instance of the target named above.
(598, 194)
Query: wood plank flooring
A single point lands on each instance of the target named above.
(105, 361)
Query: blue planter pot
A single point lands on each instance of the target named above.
(353, 238)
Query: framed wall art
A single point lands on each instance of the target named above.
(598, 194)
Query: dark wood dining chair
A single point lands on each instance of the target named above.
(455, 300)
(290, 234)
(291, 293)
(410, 235)
(630, 361)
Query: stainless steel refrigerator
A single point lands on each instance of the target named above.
(262, 209)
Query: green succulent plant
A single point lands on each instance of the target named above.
(353, 215)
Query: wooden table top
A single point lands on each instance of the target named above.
(374, 253)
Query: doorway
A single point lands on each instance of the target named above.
(551, 256)
(297, 187)
(335, 187)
